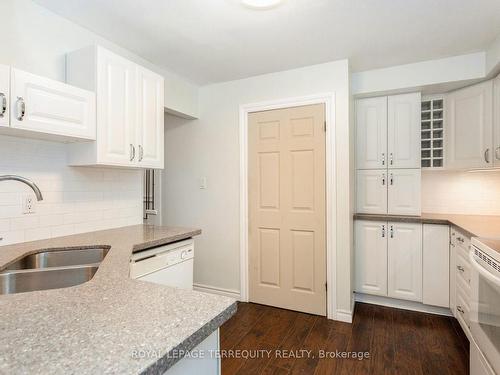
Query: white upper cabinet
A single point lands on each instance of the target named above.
(496, 121)
(403, 130)
(4, 95)
(469, 127)
(404, 260)
(371, 133)
(371, 191)
(130, 110)
(151, 119)
(404, 192)
(370, 256)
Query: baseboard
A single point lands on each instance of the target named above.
(215, 290)
(344, 316)
(402, 304)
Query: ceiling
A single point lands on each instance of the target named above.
(210, 41)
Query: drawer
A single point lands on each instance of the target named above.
(462, 286)
(460, 239)
(462, 267)
(462, 312)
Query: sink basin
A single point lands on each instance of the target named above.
(48, 278)
(58, 258)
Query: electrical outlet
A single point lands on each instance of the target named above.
(29, 204)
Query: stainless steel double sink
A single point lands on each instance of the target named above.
(51, 269)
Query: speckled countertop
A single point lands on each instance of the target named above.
(472, 225)
(95, 328)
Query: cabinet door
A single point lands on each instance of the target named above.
(404, 259)
(4, 95)
(116, 110)
(371, 191)
(371, 133)
(404, 193)
(469, 127)
(370, 257)
(436, 265)
(43, 105)
(403, 131)
(496, 121)
(150, 116)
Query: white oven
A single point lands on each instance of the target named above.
(485, 299)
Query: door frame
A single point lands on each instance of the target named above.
(328, 99)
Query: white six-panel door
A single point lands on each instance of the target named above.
(4, 95)
(47, 106)
(370, 244)
(469, 127)
(404, 259)
(116, 110)
(403, 130)
(371, 133)
(150, 114)
(371, 193)
(496, 121)
(404, 195)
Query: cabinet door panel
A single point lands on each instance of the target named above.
(469, 127)
(151, 112)
(403, 131)
(4, 95)
(371, 192)
(496, 122)
(43, 105)
(371, 133)
(404, 259)
(436, 265)
(116, 110)
(371, 257)
(404, 195)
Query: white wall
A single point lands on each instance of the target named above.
(209, 147)
(475, 193)
(76, 200)
(36, 40)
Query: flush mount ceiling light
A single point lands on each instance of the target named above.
(261, 4)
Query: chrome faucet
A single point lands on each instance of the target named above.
(26, 181)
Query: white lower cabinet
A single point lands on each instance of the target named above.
(404, 192)
(436, 265)
(4, 95)
(371, 193)
(404, 261)
(371, 257)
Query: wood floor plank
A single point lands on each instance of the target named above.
(383, 350)
(407, 358)
(338, 339)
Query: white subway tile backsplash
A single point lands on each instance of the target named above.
(76, 199)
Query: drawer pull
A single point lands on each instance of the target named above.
(460, 309)
(460, 268)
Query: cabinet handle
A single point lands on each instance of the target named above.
(460, 239)
(141, 153)
(460, 268)
(497, 153)
(383, 158)
(391, 179)
(460, 309)
(3, 108)
(132, 152)
(21, 108)
(392, 231)
(487, 155)
(383, 231)
(383, 179)
(391, 158)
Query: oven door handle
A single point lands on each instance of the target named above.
(488, 275)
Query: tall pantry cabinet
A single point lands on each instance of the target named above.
(388, 155)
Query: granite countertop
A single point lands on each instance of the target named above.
(98, 327)
(472, 225)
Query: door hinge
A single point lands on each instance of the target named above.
(324, 125)
(326, 287)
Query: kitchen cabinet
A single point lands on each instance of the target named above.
(371, 194)
(371, 133)
(496, 121)
(436, 265)
(4, 95)
(388, 132)
(469, 127)
(42, 105)
(403, 131)
(404, 261)
(370, 246)
(404, 196)
(130, 110)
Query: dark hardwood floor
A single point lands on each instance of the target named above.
(266, 340)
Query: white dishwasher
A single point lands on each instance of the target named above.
(170, 264)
